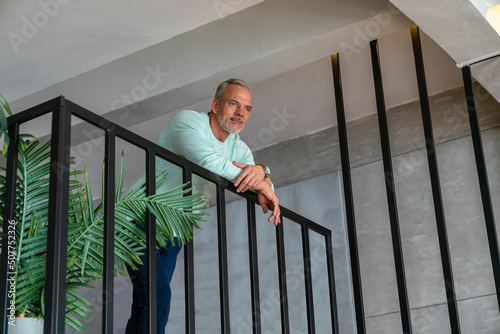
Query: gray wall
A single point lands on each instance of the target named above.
(467, 239)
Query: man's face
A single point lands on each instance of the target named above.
(233, 110)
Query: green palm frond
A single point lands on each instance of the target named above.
(3, 122)
(175, 213)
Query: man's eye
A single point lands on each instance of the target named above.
(248, 109)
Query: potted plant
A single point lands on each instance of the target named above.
(173, 211)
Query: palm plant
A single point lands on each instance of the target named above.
(176, 214)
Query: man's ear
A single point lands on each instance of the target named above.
(215, 106)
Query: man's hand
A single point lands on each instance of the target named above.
(249, 178)
(267, 196)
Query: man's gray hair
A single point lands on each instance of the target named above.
(223, 86)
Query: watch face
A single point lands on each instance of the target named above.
(267, 170)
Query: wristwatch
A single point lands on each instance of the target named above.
(267, 170)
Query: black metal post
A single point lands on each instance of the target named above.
(190, 310)
(151, 245)
(306, 252)
(7, 273)
(280, 245)
(331, 281)
(390, 189)
(482, 174)
(109, 232)
(57, 238)
(435, 183)
(223, 275)
(254, 267)
(348, 197)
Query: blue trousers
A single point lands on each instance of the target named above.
(166, 257)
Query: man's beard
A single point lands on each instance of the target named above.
(225, 124)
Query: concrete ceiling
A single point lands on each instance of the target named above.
(46, 42)
(460, 28)
(139, 62)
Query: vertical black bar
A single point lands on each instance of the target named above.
(189, 271)
(306, 252)
(435, 183)
(223, 275)
(390, 189)
(151, 246)
(109, 232)
(8, 215)
(482, 174)
(331, 281)
(348, 197)
(57, 238)
(280, 245)
(254, 267)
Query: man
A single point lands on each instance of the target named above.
(210, 140)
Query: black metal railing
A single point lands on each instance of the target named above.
(446, 262)
(437, 198)
(483, 178)
(62, 110)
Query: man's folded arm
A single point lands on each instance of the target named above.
(187, 140)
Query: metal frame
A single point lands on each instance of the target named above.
(190, 310)
(109, 231)
(57, 235)
(280, 245)
(348, 196)
(435, 184)
(254, 268)
(390, 189)
(482, 174)
(306, 253)
(223, 270)
(151, 245)
(62, 111)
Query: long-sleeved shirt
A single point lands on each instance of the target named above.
(189, 135)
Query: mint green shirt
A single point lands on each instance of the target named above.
(190, 136)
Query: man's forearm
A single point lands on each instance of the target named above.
(262, 186)
(267, 197)
(268, 181)
(250, 177)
